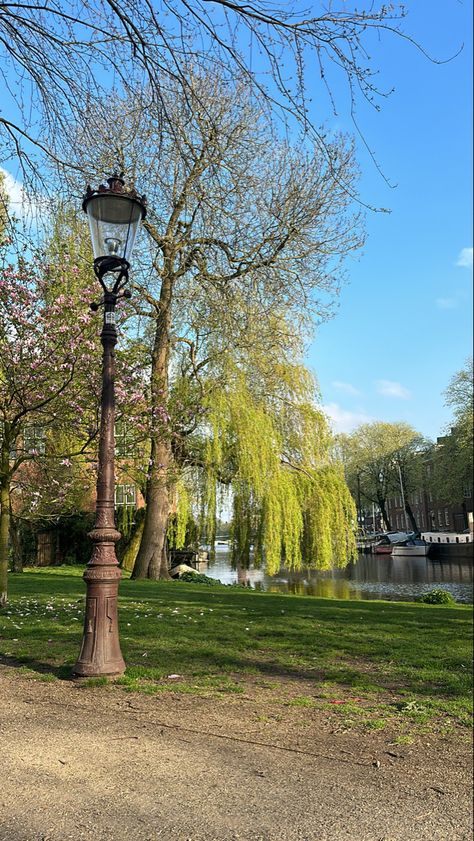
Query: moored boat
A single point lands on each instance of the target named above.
(382, 548)
(385, 542)
(450, 545)
(413, 547)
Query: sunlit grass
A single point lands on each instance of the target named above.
(376, 660)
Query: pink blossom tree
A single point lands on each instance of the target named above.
(50, 370)
(49, 387)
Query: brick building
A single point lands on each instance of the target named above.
(431, 513)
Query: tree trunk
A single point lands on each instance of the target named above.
(152, 557)
(151, 560)
(383, 511)
(128, 558)
(17, 547)
(4, 538)
(411, 516)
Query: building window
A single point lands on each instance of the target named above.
(446, 517)
(123, 440)
(467, 493)
(440, 519)
(125, 495)
(34, 440)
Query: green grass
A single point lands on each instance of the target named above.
(383, 660)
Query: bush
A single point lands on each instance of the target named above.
(199, 578)
(437, 597)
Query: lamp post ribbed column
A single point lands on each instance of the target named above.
(100, 651)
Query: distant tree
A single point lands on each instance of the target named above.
(383, 459)
(460, 397)
(408, 462)
(453, 455)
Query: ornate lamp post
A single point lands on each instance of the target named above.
(114, 215)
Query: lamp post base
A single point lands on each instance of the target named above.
(100, 653)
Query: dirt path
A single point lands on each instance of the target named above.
(100, 763)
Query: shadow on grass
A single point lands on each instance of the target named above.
(59, 672)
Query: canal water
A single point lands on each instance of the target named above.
(370, 577)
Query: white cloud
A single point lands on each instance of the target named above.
(342, 420)
(392, 389)
(347, 388)
(14, 190)
(21, 204)
(465, 258)
(446, 303)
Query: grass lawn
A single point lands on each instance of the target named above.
(377, 661)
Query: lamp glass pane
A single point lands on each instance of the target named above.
(113, 223)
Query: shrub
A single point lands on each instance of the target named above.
(199, 578)
(437, 597)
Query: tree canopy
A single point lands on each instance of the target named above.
(383, 459)
(453, 455)
(58, 58)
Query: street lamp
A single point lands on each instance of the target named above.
(114, 215)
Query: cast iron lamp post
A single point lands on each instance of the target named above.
(114, 215)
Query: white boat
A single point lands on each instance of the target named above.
(448, 537)
(413, 547)
(450, 545)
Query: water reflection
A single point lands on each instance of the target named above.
(371, 577)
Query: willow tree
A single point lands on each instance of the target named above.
(261, 438)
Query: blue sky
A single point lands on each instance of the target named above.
(404, 323)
